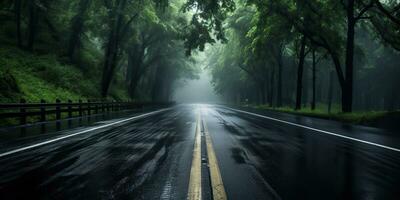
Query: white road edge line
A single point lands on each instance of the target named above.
(317, 130)
(81, 132)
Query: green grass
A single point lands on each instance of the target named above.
(36, 77)
(321, 111)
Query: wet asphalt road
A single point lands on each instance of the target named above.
(258, 158)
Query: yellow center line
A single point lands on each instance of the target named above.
(217, 186)
(194, 192)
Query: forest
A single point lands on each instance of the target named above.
(316, 54)
(339, 55)
(90, 49)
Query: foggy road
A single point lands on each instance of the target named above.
(206, 152)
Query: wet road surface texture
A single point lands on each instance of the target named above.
(205, 152)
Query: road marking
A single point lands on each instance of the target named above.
(194, 192)
(217, 186)
(78, 133)
(318, 130)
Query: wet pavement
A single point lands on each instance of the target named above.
(150, 157)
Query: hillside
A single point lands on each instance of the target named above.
(34, 77)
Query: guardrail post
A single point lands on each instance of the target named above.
(42, 110)
(58, 109)
(23, 112)
(69, 108)
(80, 108)
(108, 106)
(96, 108)
(88, 107)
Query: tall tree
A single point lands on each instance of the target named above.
(77, 27)
(300, 69)
(112, 47)
(17, 11)
(33, 23)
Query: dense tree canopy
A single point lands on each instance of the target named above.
(262, 51)
(147, 42)
(286, 48)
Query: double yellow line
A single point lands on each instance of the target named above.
(194, 192)
(217, 186)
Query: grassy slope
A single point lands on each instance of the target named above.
(35, 77)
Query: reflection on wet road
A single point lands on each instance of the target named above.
(151, 158)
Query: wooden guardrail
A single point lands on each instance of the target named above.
(23, 110)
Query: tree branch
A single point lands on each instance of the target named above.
(362, 12)
(125, 27)
(365, 17)
(396, 8)
(248, 72)
(387, 13)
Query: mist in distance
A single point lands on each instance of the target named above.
(196, 90)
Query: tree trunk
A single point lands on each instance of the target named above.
(338, 68)
(313, 80)
(112, 48)
(77, 28)
(347, 96)
(109, 54)
(262, 92)
(18, 22)
(271, 87)
(330, 91)
(33, 18)
(159, 85)
(279, 90)
(108, 70)
(131, 73)
(305, 87)
(300, 70)
(390, 98)
(135, 62)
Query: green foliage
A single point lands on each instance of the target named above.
(67, 49)
(207, 18)
(33, 77)
(8, 85)
(263, 49)
(355, 117)
(121, 48)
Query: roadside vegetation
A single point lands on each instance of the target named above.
(359, 117)
(35, 77)
(331, 59)
(91, 49)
